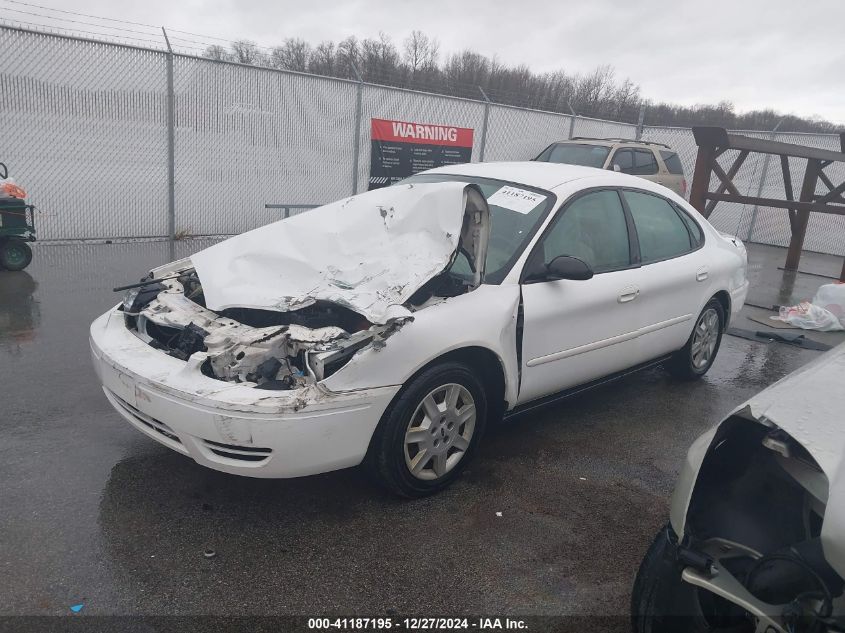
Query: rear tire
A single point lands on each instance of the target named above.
(15, 254)
(430, 431)
(697, 356)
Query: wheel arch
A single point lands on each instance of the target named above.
(724, 298)
(488, 365)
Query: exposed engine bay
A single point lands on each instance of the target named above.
(754, 534)
(317, 319)
(273, 350)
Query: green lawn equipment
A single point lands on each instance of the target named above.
(17, 225)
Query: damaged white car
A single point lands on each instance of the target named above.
(756, 539)
(389, 327)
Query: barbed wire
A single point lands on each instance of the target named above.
(121, 21)
(54, 30)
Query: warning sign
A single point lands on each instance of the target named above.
(401, 149)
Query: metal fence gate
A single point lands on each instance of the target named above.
(88, 126)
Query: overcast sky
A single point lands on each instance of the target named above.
(784, 54)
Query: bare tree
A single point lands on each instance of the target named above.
(322, 60)
(348, 58)
(246, 52)
(217, 53)
(380, 60)
(293, 54)
(420, 52)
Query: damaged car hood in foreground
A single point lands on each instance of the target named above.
(369, 253)
(809, 405)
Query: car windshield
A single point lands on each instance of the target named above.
(575, 154)
(515, 214)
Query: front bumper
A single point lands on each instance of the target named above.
(229, 427)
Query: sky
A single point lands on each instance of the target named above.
(788, 55)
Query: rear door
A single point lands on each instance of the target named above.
(674, 269)
(638, 162)
(577, 331)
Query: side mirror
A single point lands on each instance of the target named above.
(566, 267)
(616, 167)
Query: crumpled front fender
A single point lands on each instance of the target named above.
(449, 325)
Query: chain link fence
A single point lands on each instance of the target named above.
(86, 131)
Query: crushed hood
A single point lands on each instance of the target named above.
(809, 404)
(369, 252)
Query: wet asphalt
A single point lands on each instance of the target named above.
(93, 512)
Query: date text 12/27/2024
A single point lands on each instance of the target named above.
(415, 624)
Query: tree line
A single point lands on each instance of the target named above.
(417, 64)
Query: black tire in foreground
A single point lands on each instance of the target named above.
(662, 602)
(697, 356)
(14, 254)
(430, 431)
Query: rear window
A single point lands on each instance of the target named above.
(575, 154)
(662, 234)
(638, 162)
(672, 162)
(694, 230)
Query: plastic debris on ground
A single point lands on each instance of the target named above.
(76, 608)
(825, 313)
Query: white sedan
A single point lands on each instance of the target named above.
(388, 328)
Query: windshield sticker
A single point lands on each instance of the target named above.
(515, 199)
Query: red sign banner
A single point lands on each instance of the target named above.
(421, 133)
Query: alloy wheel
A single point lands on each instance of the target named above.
(440, 431)
(705, 337)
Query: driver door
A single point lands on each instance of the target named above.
(577, 331)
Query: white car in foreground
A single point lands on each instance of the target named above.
(389, 327)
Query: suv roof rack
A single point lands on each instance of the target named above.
(618, 140)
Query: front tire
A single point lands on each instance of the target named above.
(15, 254)
(430, 431)
(697, 356)
(662, 602)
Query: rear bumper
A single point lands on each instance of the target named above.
(228, 427)
(738, 297)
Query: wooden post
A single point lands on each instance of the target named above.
(799, 230)
(701, 178)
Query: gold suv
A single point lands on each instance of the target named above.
(653, 161)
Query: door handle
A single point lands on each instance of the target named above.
(628, 294)
(701, 274)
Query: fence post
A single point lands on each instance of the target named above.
(571, 119)
(640, 120)
(484, 124)
(171, 144)
(356, 138)
(762, 184)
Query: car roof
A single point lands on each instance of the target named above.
(538, 174)
(612, 142)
